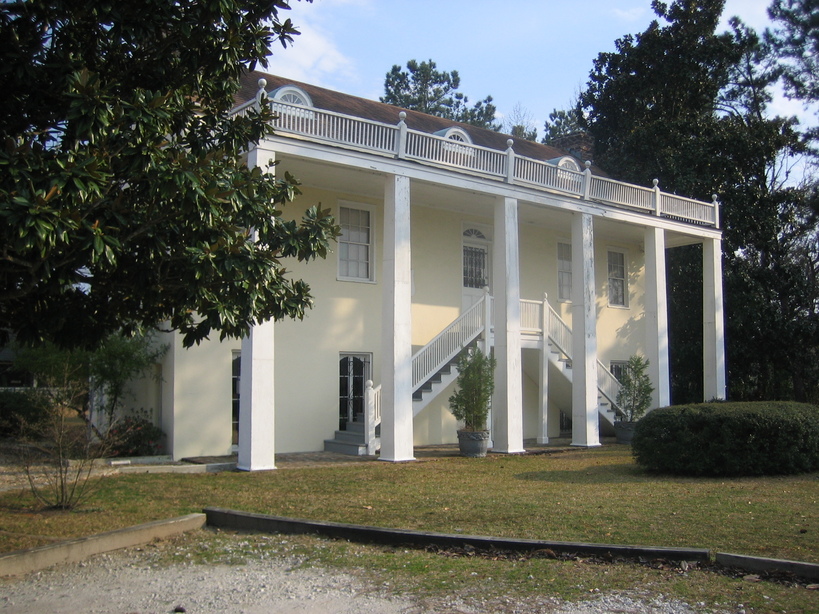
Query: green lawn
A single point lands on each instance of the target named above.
(596, 495)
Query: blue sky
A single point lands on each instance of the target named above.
(536, 54)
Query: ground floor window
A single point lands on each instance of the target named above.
(236, 366)
(618, 369)
(354, 371)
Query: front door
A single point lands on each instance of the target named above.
(354, 371)
(476, 266)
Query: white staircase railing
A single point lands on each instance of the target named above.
(560, 336)
(536, 316)
(430, 359)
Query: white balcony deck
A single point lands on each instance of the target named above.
(398, 141)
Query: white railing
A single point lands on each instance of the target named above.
(547, 175)
(427, 361)
(607, 384)
(397, 140)
(431, 148)
(559, 333)
(335, 127)
(448, 343)
(531, 317)
(688, 209)
(617, 192)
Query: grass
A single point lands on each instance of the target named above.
(596, 495)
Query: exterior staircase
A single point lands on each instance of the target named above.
(434, 369)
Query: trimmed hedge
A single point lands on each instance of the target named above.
(729, 439)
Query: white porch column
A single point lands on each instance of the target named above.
(585, 426)
(257, 415)
(507, 402)
(396, 369)
(713, 332)
(657, 318)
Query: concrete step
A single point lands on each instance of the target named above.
(343, 447)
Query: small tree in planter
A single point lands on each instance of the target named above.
(470, 403)
(633, 398)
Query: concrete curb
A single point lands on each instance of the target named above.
(809, 571)
(211, 468)
(246, 521)
(72, 551)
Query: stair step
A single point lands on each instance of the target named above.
(351, 437)
(342, 447)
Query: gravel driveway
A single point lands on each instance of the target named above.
(145, 581)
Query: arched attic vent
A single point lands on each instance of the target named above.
(291, 94)
(455, 134)
(565, 162)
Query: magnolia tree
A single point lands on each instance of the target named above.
(125, 201)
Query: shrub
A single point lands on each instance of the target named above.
(729, 439)
(476, 383)
(135, 436)
(634, 395)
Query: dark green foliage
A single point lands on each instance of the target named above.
(688, 105)
(729, 439)
(476, 383)
(135, 436)
(561, 123)
(423, 88)
(18, 410)
(125, 202)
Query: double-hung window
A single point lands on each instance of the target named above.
(564, 271)
(355, 244)
(618, 282)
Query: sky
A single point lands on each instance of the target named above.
(531, 54)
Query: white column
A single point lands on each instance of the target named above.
(507, 402)
(585, 426)
(396, 369)
(713, 333)
(657, 317)
(543, 380)
(257, 415)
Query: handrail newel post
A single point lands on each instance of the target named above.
(369, 417)
(510, 161)
(545, 319)
(487, 320)
(401, 152)
(716, 210)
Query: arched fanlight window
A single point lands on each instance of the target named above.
(474, 233)
(455, 134)
(566, 162)
(291, 94)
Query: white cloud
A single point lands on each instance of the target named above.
(631, 15)
(314, 57)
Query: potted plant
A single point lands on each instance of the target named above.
(633, 398)
(470, 403)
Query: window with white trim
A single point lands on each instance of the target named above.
(564, 272)
(355, 244)
(618, 282)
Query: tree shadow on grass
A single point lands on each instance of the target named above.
(622, 474)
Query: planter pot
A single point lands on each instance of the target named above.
(624, 431)
(473, 444)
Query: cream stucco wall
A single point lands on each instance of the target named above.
(346, 318)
